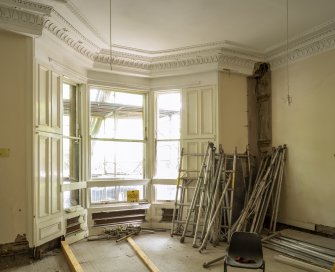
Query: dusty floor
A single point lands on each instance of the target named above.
(167, 253)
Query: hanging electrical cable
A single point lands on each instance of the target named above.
(289, 97)
(110, 35)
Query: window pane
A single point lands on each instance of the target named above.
(116, 115)
(168, 119)
(114, 193)
(167, 159)
(116, 159)
(165, 192)
(71, 159)
(71, 198)
(124, 125)
(69, 110)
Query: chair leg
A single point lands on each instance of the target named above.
(263, 266)
(224, 266)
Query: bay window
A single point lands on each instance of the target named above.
(118, 143)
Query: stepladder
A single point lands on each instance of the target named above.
(204, 201)
(188, 184)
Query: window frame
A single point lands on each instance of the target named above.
(80, 184)
(117, 181)
(158, 180)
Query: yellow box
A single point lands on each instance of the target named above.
(133, 196)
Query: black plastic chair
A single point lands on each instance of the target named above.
(245, 251)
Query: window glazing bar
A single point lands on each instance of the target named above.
(118, 140)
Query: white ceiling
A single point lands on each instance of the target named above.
(159, 25)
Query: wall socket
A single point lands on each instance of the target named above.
(4, 152)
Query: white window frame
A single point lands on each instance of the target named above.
(110, 182)
(162, 181)
(80, 184)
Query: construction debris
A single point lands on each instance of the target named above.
(266, 191)
(208, 216)
(299, 264)
(309, 253)
(118, 233)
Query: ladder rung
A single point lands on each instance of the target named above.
(195, 154)
(186, 204)
(186, 187)
(190, 223)
(186, 178)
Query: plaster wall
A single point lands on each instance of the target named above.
(232, 105)
(192, 79)
(307, 127)
(101, 78)
(15, 77)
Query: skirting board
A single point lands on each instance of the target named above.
(299, 224)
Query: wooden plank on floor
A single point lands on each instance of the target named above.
(71, 258)
(152, 267)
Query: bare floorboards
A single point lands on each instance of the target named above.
(167, 253)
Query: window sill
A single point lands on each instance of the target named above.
(164, 203)
(116, 182)
(120, 206)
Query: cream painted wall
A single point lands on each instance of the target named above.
(15, 78)
(232, 104)
(307, 126)
(192, 79)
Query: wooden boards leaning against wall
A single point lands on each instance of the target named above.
(259, 109)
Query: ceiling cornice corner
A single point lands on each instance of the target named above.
(315, 41)
(24, 17)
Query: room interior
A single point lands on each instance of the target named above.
(98, 98)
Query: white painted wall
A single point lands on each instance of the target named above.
(232, 104)
(15, 119)
(308, 128)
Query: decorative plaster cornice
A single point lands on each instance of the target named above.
(313, 42)
(223, 58)
(159, 63)
(23, 16)
(68, 39)
(30, 18)
(16, 19)
(28, 6)
(237, 64)
(66, 26)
